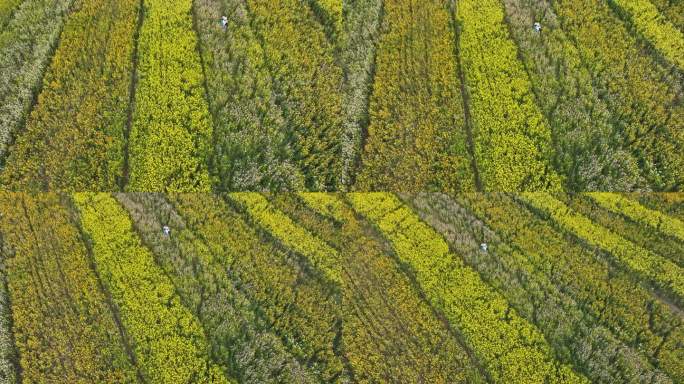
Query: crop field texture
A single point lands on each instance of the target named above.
(342, 95)
(343, 288)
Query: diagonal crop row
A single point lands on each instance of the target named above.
(251, 147)
(26, 44)
(669, 226)
(307, 85)
(168, 340)
(671, 203)
(8, 358)
(662, 272)
(74, 138)
(239, 332)
(511, 138)
(614, 297)
(532, 272)
(672, 11)
(170, 138)
(383, 312)
(647, 20)
(588, 145)
(644, 97)
(416, 137)
(63, 329)
(511, 349)
(290, 299)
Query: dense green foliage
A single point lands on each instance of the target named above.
(251, 140)
(167, 339)
(511, 349)
(8, 372)
(416, 135)
(586, 281)
(25, 47)
(7, 8)
(170, 139)
(511, 138)
(75, 134)
(63, 327)
(235, 321)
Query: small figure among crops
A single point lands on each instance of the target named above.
(166, 230)
(224, 22)
(483, 247)
(537, 27)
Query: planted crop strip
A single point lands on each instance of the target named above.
(168, 340)
(308, 86)
(510, 348)
(26, 44)
(383, 312)
(512, 140)
(63, 328)
(589, 149)
(639, 233)
(645, 99)
(8, 358)
(615, 297)
(578, 337)
(416, 137)
(663, 273)
(7, 9)
(668, 203)
(330, 15)
(290, 297)
(669, 226)
(170, 139)
(74, 138)
(647, 20)
(672, 11)
(251, 146)
(240, 335)
(362, 20)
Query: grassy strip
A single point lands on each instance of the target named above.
(383, 312)
(512, 141)
(170, 140)
(416, 137)
(74, 138)
(63, 328)
(26, 44)
(661, 272)
(648, 21)
(8, 358)
(308, 86)
(669, 226)
(168, 340)
(592, 322)
(589, 150)
(240, 336)
(644, 97)
(251, 144)
(7, 8)
(511, 349)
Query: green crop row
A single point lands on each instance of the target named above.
(382, 310)
(667, 225)
(290, 234)
(586, 285)
(239, 334)
(292, 300)
(668, 203)
(331, 14)
(7, 8)
(171, 133)
(307, 86)
(362, 20)
(672, 11)
(660, 271)
(638, 233)
(589, 149)
(416, 137)
(168, 341)
(63, 328)
(74, 138)
(512, 140)
(251, 149)
(8, 370)
(510, 348)
(644, 97)
(25, 48)
(647, 20)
